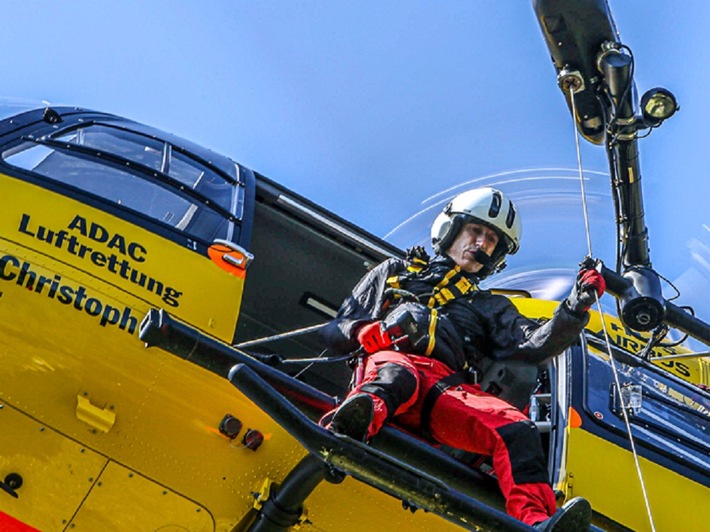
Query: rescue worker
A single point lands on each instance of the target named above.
(424, 385)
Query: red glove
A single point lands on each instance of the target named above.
(373, 337)
(591, 280)
(582, 296)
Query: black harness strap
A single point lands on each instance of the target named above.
(435, 392)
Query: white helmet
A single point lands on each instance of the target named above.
(489, 207)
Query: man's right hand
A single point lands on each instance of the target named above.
(373, 337)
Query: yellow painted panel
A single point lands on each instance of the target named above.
(693, 370)
(164, 412)
(135, 261)
(354, 506)
(123, 500)
(57, 472)
(606, 475)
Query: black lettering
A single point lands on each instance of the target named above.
(83, 250)
(155, 286)
(622, 341)
(171, 297)
(23, 225)
(73, 243)
(682, 369)
(110, 316)
(45, 235)
(138, 278)
(78, 223)
(98, 258)
(98, 233)
(61, 237)
(134, 248)
(66, 295)
(112, 259)
(118, 242)
(80, 295)
(8, 276)
(128, 321)
(125, 268)
(24, 274)
(93, 306)
(55, 286)
(40, 284)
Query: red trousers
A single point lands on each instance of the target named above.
(466, 418)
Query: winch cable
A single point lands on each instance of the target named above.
(572, 91)
(281, 336)
(321, 358)
(581, 174)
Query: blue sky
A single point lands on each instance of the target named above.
(382, 110)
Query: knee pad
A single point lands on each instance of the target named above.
(527, 459)
(394, 384)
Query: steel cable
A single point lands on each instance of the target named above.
(601, 316)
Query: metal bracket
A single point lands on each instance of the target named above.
(101, 419)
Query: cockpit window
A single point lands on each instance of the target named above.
(156, 155)
(139, 149)
(140, 173)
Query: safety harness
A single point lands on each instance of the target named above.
(452, 285)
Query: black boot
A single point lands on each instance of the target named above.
(574, 516)
(354, 416)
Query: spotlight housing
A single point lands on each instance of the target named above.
(657, 105)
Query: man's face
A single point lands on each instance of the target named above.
(471, 238)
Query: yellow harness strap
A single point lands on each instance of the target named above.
(432, 330)
(393, 282)
(460, 286)
(452, 286)
(415, 266)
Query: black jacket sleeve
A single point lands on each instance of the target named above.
(515, 337)
(362, 306)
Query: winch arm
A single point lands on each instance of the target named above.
(674, 316)
(596, 69)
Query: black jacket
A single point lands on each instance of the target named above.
(468, 328)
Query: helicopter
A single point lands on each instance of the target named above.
(162, 370)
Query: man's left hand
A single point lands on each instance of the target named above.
(589, 281)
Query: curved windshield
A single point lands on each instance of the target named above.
(156, 155)
(181, 191)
